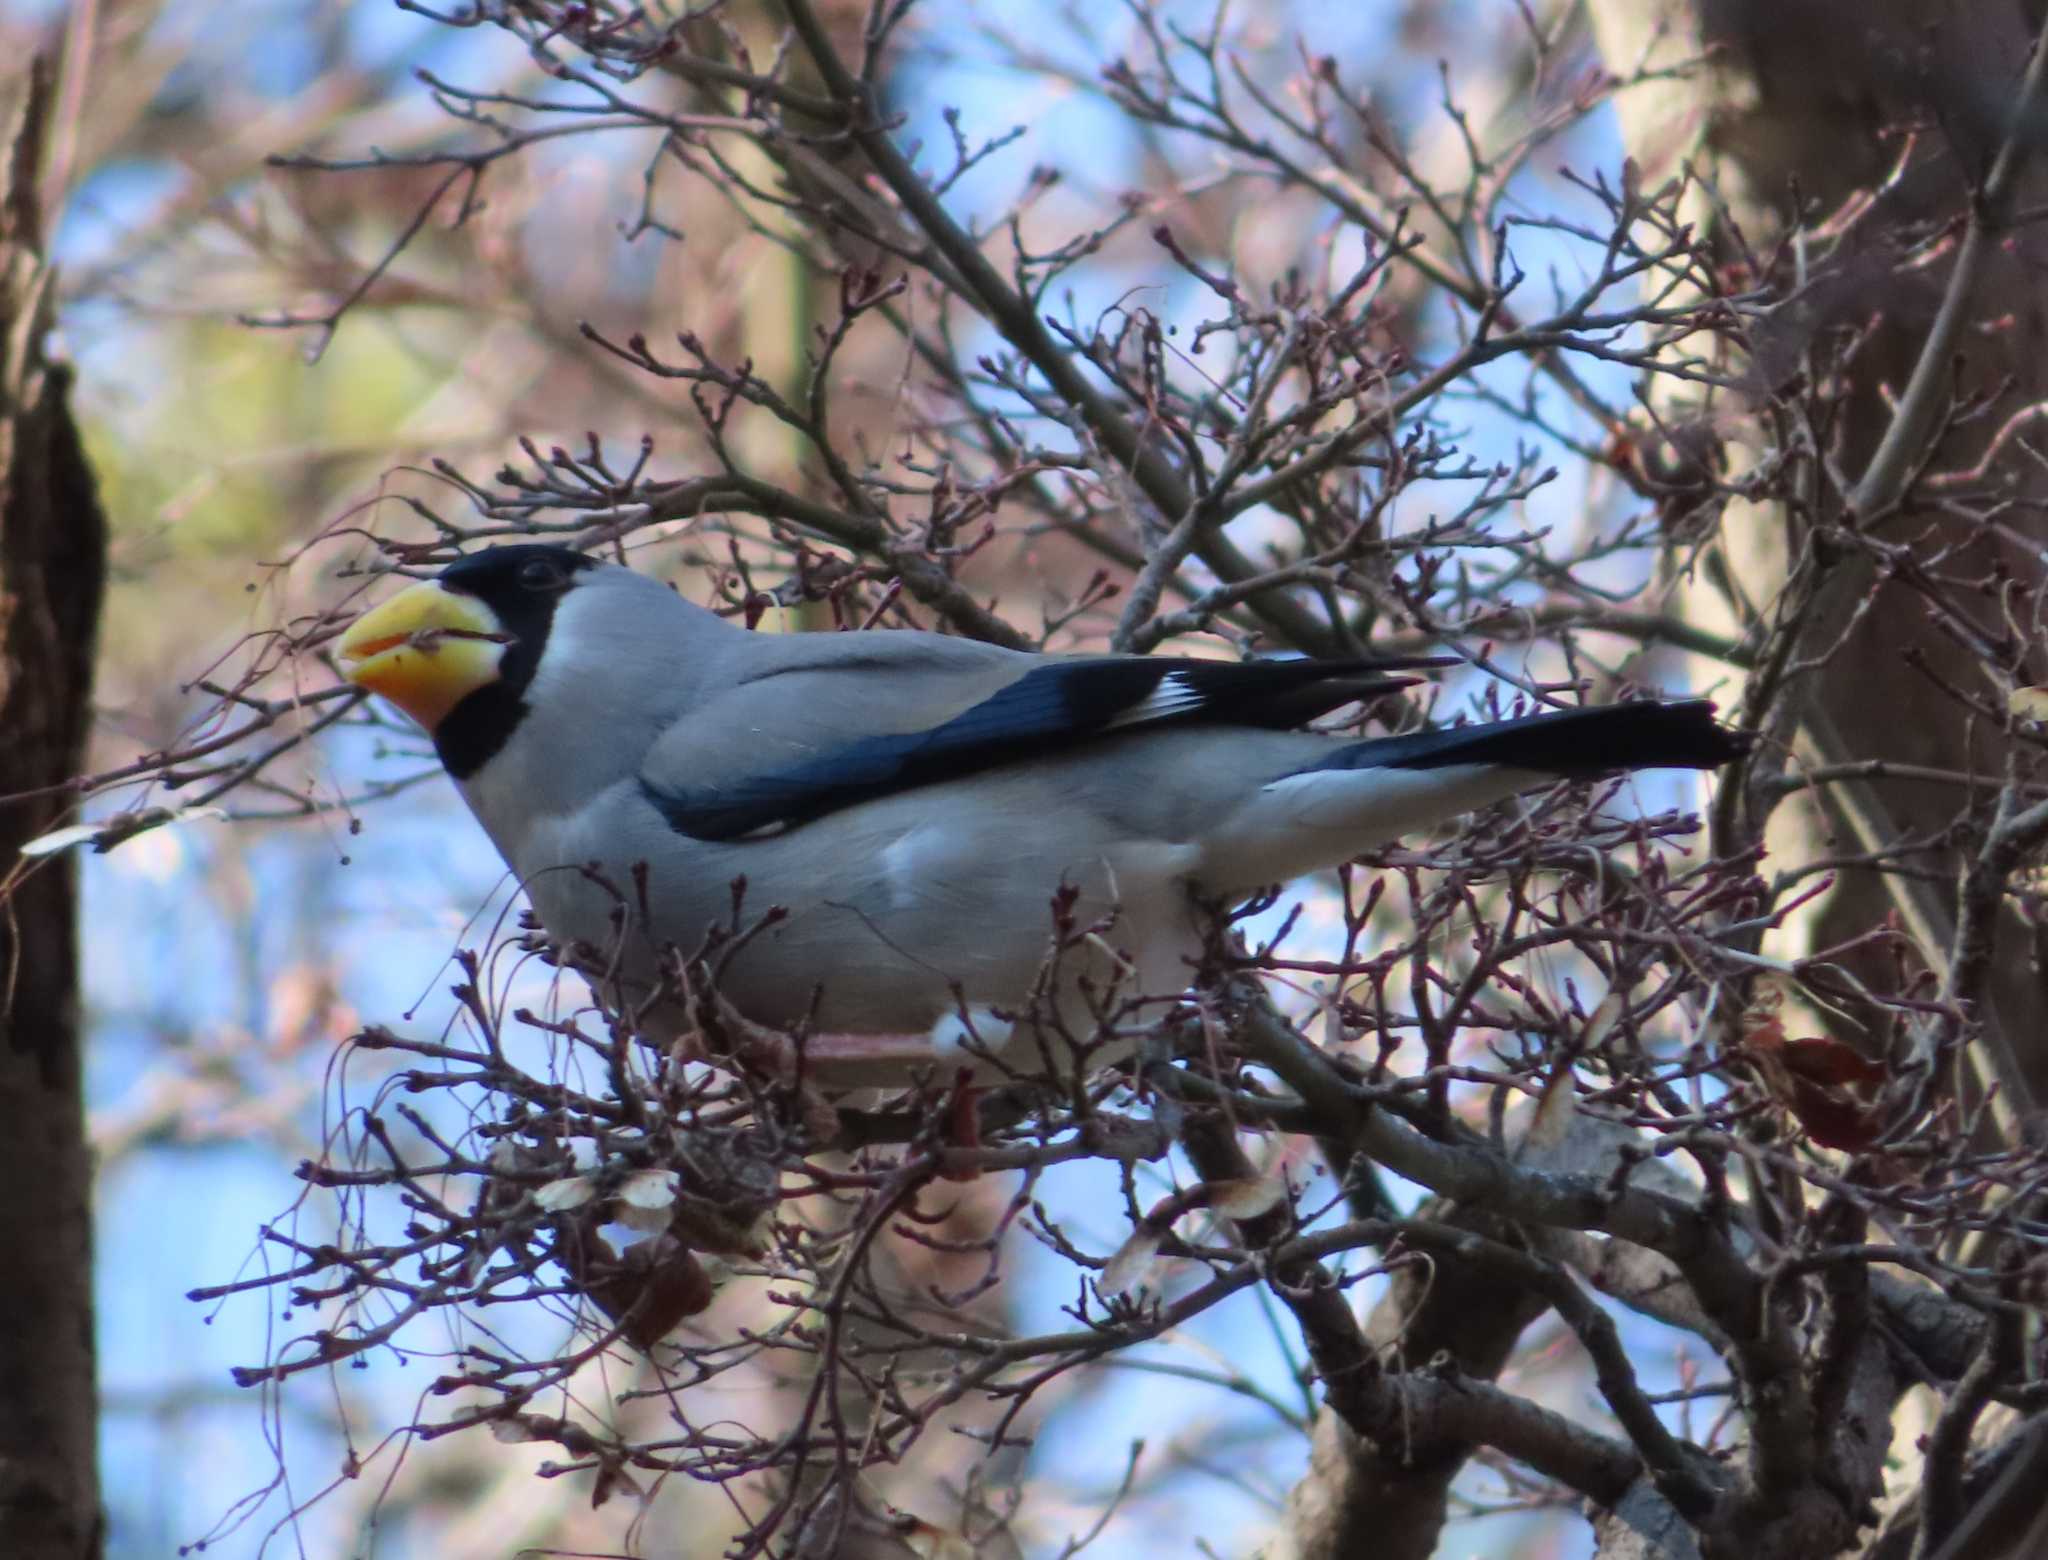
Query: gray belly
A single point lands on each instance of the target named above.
(891, 922)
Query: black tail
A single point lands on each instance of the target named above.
(1576, 744)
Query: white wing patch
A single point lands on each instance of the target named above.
(1175, 695)
(978, 1031)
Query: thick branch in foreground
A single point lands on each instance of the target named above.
(1361, 1497)
(52, 567)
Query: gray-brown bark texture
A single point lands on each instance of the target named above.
(1786, 116)
(1364, 1497)
(52, 567)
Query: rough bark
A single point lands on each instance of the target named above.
(1642, 1526)
(1390, 1501)
(1801, 108)
(52, 567)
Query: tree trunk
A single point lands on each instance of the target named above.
(1804, 106)
(1782, 113)
(52, 568)
(1391, 1502)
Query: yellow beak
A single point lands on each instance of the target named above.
(426, 650)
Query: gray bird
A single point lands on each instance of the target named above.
(915, 804)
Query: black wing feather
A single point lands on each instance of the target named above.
(1054, 707)
(1574, 744)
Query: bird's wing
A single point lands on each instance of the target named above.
(862, 719)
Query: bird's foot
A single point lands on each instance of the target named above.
(835, 1059)
(962, 1128)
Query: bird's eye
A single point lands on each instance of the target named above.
(539, 574)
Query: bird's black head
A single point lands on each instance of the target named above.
(521, 586)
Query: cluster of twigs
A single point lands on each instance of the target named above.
(1573, 1026)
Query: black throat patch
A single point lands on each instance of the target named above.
(522, 586)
